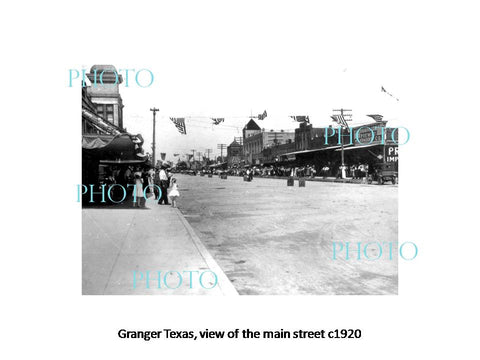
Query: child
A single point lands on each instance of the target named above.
(138, 191)
(173, 192)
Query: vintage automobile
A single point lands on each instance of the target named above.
(384, 172)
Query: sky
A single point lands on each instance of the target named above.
(296, 62)
(346, 87)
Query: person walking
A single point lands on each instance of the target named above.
(150, 181)
(173, 193)
(138, 200)
(163, 186)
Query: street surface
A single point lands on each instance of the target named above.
(272, 239)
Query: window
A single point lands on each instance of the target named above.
(109, 112)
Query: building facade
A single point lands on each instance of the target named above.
(254, 144)
(234, 153)
(368, 144)
(306, 135)
(104, 93)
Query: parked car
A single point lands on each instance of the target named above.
(384, 172)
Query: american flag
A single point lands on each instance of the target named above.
(262, 116)
(217, 121)
(180, 124)
(301, 118)
(340, 120)
(386, 92)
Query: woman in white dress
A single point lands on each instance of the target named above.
(138, 200)
(173, 193)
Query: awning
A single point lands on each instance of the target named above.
(100, 123)
(120, 142)
(122, 162)
(111, 148)
(218, 165)
(312, 150)
(359, 147)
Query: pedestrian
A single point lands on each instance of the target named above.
(150, 181)
(138, 200)
(361, 171)
(353, 170)
(325, 171)
(128, 175)
(173, 192)
(307, 171)
(163, 186)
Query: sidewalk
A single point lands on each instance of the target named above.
(120, 244)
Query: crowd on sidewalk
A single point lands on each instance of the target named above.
(148, 182)
(355, 171)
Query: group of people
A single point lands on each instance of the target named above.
(168, 186)
(280, 171)
(355, 171)
(148, 182)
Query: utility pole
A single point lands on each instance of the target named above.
(341, 135)
(154, 110)
(193, 157)
(221, 147)
(208, 154)
(239, 140)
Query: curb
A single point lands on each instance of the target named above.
(223, 282)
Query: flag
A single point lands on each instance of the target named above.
(340, 120)
(376, 117)
(386, 92)
(217, 121)
(301, 118)
(262, 116)
(162, 156)
(180, 124)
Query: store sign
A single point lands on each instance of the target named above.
(370, 135)
(391, 154)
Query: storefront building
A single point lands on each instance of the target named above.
(368, 144)
(107, 149)
(234, 154)
(254, 145)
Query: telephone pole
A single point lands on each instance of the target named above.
(154, 110)
(208, 153)
(221, 147)
(193, 157)
(341, 135)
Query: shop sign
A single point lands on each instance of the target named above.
(391, 153)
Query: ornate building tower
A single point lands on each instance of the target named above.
(104, 93)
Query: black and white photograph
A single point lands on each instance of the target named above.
(211, 179)
(236, 203)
